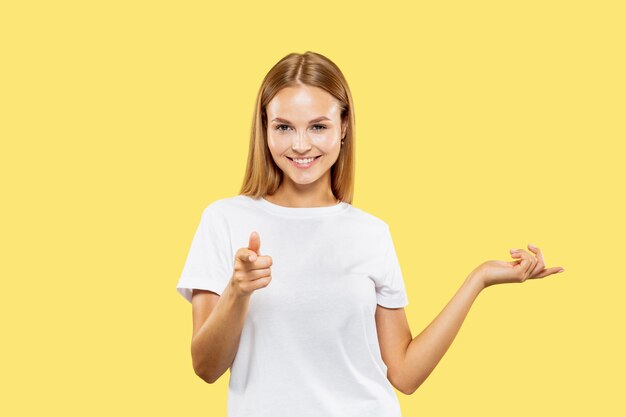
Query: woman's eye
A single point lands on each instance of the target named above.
(318, 128)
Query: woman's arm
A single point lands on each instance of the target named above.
(214, 344)
(426, 350)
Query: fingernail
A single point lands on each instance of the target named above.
(562, 270)
(513, 250)
(531, 245)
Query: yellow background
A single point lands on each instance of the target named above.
(482, 126)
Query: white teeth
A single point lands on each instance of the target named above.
(304, 161)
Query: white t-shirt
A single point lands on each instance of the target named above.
(309, 345)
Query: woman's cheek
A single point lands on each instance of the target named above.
(278, 144)
(327, 141)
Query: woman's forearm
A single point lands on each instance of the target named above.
(215, 345)
(426, 350)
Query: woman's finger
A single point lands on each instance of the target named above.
(536, 251)
(523, 257)
(532, 259)
(540, 265)
(549, 271)
(528, 261)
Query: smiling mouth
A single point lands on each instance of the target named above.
(304, 165)
(306, 158)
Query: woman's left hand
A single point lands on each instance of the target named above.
(527, 266)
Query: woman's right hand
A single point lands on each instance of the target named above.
(252, 271)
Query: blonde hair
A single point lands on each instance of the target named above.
(262, 175)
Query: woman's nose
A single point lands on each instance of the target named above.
(301, 143)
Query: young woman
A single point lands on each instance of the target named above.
(300, 293)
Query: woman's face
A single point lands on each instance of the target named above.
(304, 122)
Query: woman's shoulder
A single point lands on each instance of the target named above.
(226, 203)
(225, 206)
(367, 219)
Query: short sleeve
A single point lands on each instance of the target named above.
(390, 291)
(209, 265)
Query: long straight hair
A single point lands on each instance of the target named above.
(263, 176)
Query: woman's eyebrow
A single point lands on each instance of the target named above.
(281, 120)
